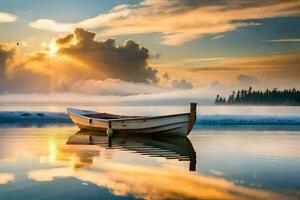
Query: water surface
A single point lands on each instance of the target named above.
(59, 162)
(233, 152)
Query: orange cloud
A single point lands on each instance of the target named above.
(78, 62)
(280, 70)
(277, 67)
(285, 40)
(128, 62)
(178, 21)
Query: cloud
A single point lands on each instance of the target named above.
(77, 58)
(280, 70)
(285, 40)
(128, 62)
(283, 61)
(166, 76)
(77, 63)
(114, 87)
(177, 84)
(68, 39)
(15, 76)
(246, 79)
(7, 53)
(191, 64)
(213, 68)
(178, 21)
(169, 95)
(287, 63)
(217, 37)
(215, 84)
(209, 59)
(7, 17)
(181, 84)
(51, 25)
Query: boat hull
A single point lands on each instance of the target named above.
(179, 124)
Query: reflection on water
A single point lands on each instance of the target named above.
(153, 182)
(169, 147)
(151, 167)
(6, 178)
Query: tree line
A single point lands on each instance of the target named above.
(257, 97)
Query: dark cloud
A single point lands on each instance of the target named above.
(127, 62)
(64, 40)
(181, 84)
(178, 84)
(6, 55)
(246, 79)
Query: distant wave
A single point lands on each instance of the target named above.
(248, 120)
(19, 118)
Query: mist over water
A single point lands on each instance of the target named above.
(153, 108)
(208, 117)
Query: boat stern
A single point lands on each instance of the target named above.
(192, 117)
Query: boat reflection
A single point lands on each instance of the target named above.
(169, 147)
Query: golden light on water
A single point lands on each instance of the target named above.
(152, 182)
(6, 178)
(52, 151)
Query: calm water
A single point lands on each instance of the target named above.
(58, 162)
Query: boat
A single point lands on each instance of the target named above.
(176, 124)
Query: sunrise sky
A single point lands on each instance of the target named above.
(114, 47)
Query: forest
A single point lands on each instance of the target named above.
(257, 97)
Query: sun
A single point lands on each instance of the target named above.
(52, 49)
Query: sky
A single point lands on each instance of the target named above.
(149, 48)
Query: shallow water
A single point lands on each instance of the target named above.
(55, 163)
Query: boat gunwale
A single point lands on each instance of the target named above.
(126, 119)
(160, 126)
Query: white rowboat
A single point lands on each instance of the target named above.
(177, 124)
